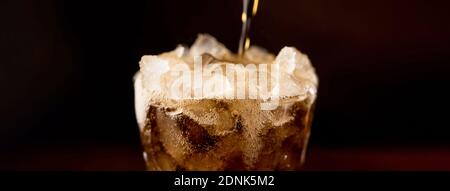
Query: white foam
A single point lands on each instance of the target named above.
(296, 77)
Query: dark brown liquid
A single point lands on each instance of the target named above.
(177, 142)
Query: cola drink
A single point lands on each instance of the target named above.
(218, 133)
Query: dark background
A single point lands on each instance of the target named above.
(66, 70)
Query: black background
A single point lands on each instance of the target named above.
(66, 66)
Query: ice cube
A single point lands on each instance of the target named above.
(198, 138)
(213, 115)
(171, 136)
(207, 44)
(295, 63)
(153, 65)
(297, 76)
